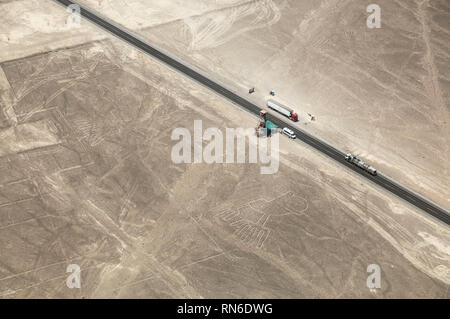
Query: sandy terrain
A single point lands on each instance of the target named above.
(86, 178)
(35, 26)
(380, 93)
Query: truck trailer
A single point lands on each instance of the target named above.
(283, 110)
(361, 164)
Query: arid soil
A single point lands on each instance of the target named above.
(86, 178)
(382, 94)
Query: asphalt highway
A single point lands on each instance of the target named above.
(383, 181)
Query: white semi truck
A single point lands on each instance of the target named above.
(283, 110)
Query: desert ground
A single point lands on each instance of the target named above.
(382, 94)
(86, 176)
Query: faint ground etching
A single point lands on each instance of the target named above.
(216, 28)
(249, 221)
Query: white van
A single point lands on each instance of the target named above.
(290, 133)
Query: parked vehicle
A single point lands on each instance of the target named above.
(283, 110)
(290, 133)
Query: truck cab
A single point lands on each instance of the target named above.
(294, 117)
